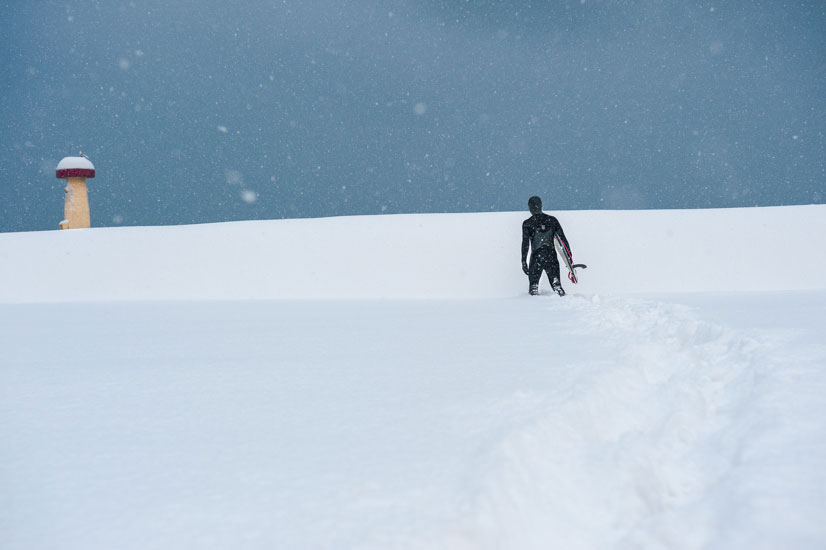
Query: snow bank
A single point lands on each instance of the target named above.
(598, 421)
(417, 256)
(589, 423)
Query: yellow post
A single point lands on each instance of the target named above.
(76, 210)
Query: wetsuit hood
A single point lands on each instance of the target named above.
(535, 205)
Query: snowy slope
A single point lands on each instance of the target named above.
(683, 416)
(415, 256)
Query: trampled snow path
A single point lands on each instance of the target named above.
(641, 445)
(588, 422)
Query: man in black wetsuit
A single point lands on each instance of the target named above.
(538, 231)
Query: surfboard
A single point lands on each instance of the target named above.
(565, 254)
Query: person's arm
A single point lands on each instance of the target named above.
(526, 239)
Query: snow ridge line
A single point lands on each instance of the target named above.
(639, 474)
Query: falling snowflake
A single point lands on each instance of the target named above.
(234, 177)
(249, 196)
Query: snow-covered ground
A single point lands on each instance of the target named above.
(385, 382)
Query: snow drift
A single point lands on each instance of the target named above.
(685, 416)
(451, 255)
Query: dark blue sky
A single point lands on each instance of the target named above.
(204, 110)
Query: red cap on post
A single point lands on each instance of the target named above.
(75, 167)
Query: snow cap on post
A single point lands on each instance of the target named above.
(75, 167)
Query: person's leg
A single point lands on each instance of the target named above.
(552, 271)
(534, 273)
